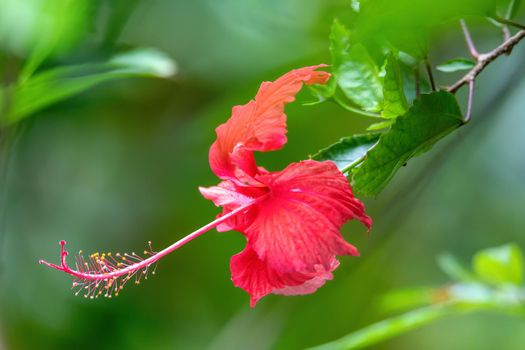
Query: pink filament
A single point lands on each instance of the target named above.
(152, 259)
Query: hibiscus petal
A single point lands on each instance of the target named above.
(226, 195)
(229, 196)
(259, 125)
(298, 227)
(310, 286)
(258, 279)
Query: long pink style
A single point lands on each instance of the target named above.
(102, 276)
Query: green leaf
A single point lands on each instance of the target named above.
(500, 265)
(339, 43)
(453, 268)
(144, 62)
(389, 328)
(381, 125)
(321, 93)
(407, 298)
(354, 70)
(348, 151)
(456, 64)
(37, 29)
(395, 102)
(432, 117)
(508, 8)
(407, 24)
(57, 84)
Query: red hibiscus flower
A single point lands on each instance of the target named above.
(291, 218)
(293, 235)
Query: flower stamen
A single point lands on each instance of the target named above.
(107, 274)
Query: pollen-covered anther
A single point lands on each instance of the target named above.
(104, 273)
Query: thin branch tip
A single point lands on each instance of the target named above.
(483, 60)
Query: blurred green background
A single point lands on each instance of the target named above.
(119, 165)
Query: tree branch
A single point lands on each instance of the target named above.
(469, 102)
(430, 75)
(468, 38)
(509, 22)
(485, 59)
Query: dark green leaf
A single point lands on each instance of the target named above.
(57, 84)
(354, 70)
(347, 151)
(395, 102)
(432, 117)
(456, 64)
(500, 265)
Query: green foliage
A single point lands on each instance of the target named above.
(456, 64)
(500, 265)
(508, 8)
(348, 151)
(381, 125)
(407, 298)
(453, 268)
(407, 24)
(395, 102)
(53, 85)
(41, 28)
(432, 117)
(497, 267)
(388, 328)
(361, 80)
(60, 178)
(354, 70)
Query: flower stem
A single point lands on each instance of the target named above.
(152, 259)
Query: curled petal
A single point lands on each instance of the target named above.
(258, 279)
(298, 227)
(259, 125)
(318, 279)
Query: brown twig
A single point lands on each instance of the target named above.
(509, 22)
(468, 38)
(430, 75)
(483, 60)
(506, 32)
(469, 101)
